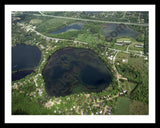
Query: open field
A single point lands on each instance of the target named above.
(138, 108)
(122, 106)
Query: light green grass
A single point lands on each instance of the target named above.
(122, 106)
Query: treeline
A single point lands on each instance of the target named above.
(146, 47)
(140, 92)
(130, 72)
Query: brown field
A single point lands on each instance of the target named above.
(138, 108)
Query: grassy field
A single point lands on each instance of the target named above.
(138, 108)
(126, 85)
(50, 24)
(35, 21)
(122, 106)
(121, 56)
(125, 106)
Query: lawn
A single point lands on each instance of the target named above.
(121, 56)
(122, 106)
(129, 86)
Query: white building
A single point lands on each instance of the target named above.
(125, 60)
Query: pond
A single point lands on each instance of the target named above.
(75, 70)
(24, 59)
(70, 27)
(125, 32)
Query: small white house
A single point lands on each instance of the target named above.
(127, 41)
(125, 60)
(139, 45)
(125, 91)
(110, 58)
(121, 93)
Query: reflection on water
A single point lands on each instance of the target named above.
(122, 32)
(73, 26)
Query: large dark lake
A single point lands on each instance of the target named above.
(75, 70)
(24, 59)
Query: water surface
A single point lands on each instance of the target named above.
(70, 27)
(125, 32)
(24, 59)
(75, 70)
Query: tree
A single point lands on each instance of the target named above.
(146, 43)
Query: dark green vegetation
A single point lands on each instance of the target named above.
(146, 41)
(29, 95)
(73, 69)
(136, 70)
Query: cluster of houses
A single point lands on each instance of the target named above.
(123, 42)
(123, 92)
(109, 110)
(139, 45)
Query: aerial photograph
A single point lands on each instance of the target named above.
(80, 63)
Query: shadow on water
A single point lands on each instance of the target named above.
(20, 74)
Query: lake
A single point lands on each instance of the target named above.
(24, 59)
(70, 27)
(126, 32)
(75, 70)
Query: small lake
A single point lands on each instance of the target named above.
(125, 32)
(75, 70)
(70, 27)
(24, 59)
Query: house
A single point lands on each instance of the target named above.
(118, 43)
(145, 58)
(127, 42)
(40, 92)
(102, 54)
(121, 93)
(125, 60)
(121, 42)
(109, 113)
(139, 45)
(110, 58)
(125, 91)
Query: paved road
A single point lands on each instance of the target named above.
(141, 54)
(112, 22)
(57, 39)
